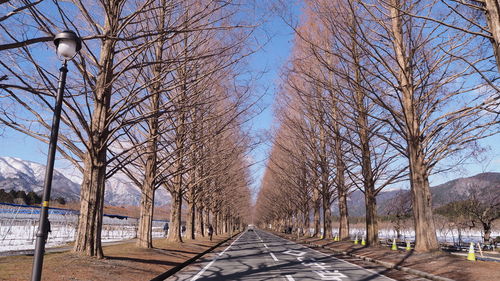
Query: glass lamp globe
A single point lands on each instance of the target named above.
(67, 44)
(66, 49)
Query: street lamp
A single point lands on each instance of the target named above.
(67, 44)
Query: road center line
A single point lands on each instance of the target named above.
(259, 237)
(289, 278)
(265, 246)
(274, 257)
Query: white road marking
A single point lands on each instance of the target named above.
(274, 257)
(328, 275)
(265, 246)
(331, 256)
(294, 253)
(212, 262)
(203, 270)
(230, 245)
(289, 278)
(262, 241)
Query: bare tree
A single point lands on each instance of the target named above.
(423, 97)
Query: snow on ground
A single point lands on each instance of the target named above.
(20, 234)
(444, 236)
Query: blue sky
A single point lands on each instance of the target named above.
(271, 58)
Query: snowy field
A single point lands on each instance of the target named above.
(18, 230)
(450, 236)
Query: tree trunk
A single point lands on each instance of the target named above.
(487, 231)
(199, 222)
(316, 206)
(327, 217)
(145, 234)
(207, 220)
(174, 233)
(366, 165)
(371, 217)
(88, 236)
(425, 230)
(307, 221)
(493, 18)
(342, 191)
(325, 186)
(226, 224)
(190, 219)
(215, 221)
(343, 219)
(220, 223)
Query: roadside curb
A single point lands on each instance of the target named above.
(386, 264)
(177, 268)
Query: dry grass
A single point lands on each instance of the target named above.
(122, 262)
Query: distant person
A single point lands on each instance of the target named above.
(183, 229)
(165, 229)
(210, 231)
(48, 230)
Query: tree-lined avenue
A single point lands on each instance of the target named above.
(260, 255)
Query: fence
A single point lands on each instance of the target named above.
(19, 223)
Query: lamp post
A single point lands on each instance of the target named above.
(67, 44)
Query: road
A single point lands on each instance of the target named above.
(260, 255)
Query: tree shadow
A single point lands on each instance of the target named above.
(148, 261)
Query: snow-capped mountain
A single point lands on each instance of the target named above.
(25, 175)
(28, 176)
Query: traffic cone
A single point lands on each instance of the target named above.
(394, 247)
(356, 240)
(471, 256)
(408, 246)
(363, 242)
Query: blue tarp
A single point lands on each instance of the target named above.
(29, 209)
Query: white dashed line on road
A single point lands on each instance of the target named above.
(274, 257)
(202, 271)
(331, 256)
(289, 278)
(266, 246)
(215, 258)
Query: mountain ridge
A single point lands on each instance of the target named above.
(19, 174)
(442, 194)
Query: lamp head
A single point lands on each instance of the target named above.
(67, 44)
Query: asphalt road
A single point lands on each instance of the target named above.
(260, 255)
